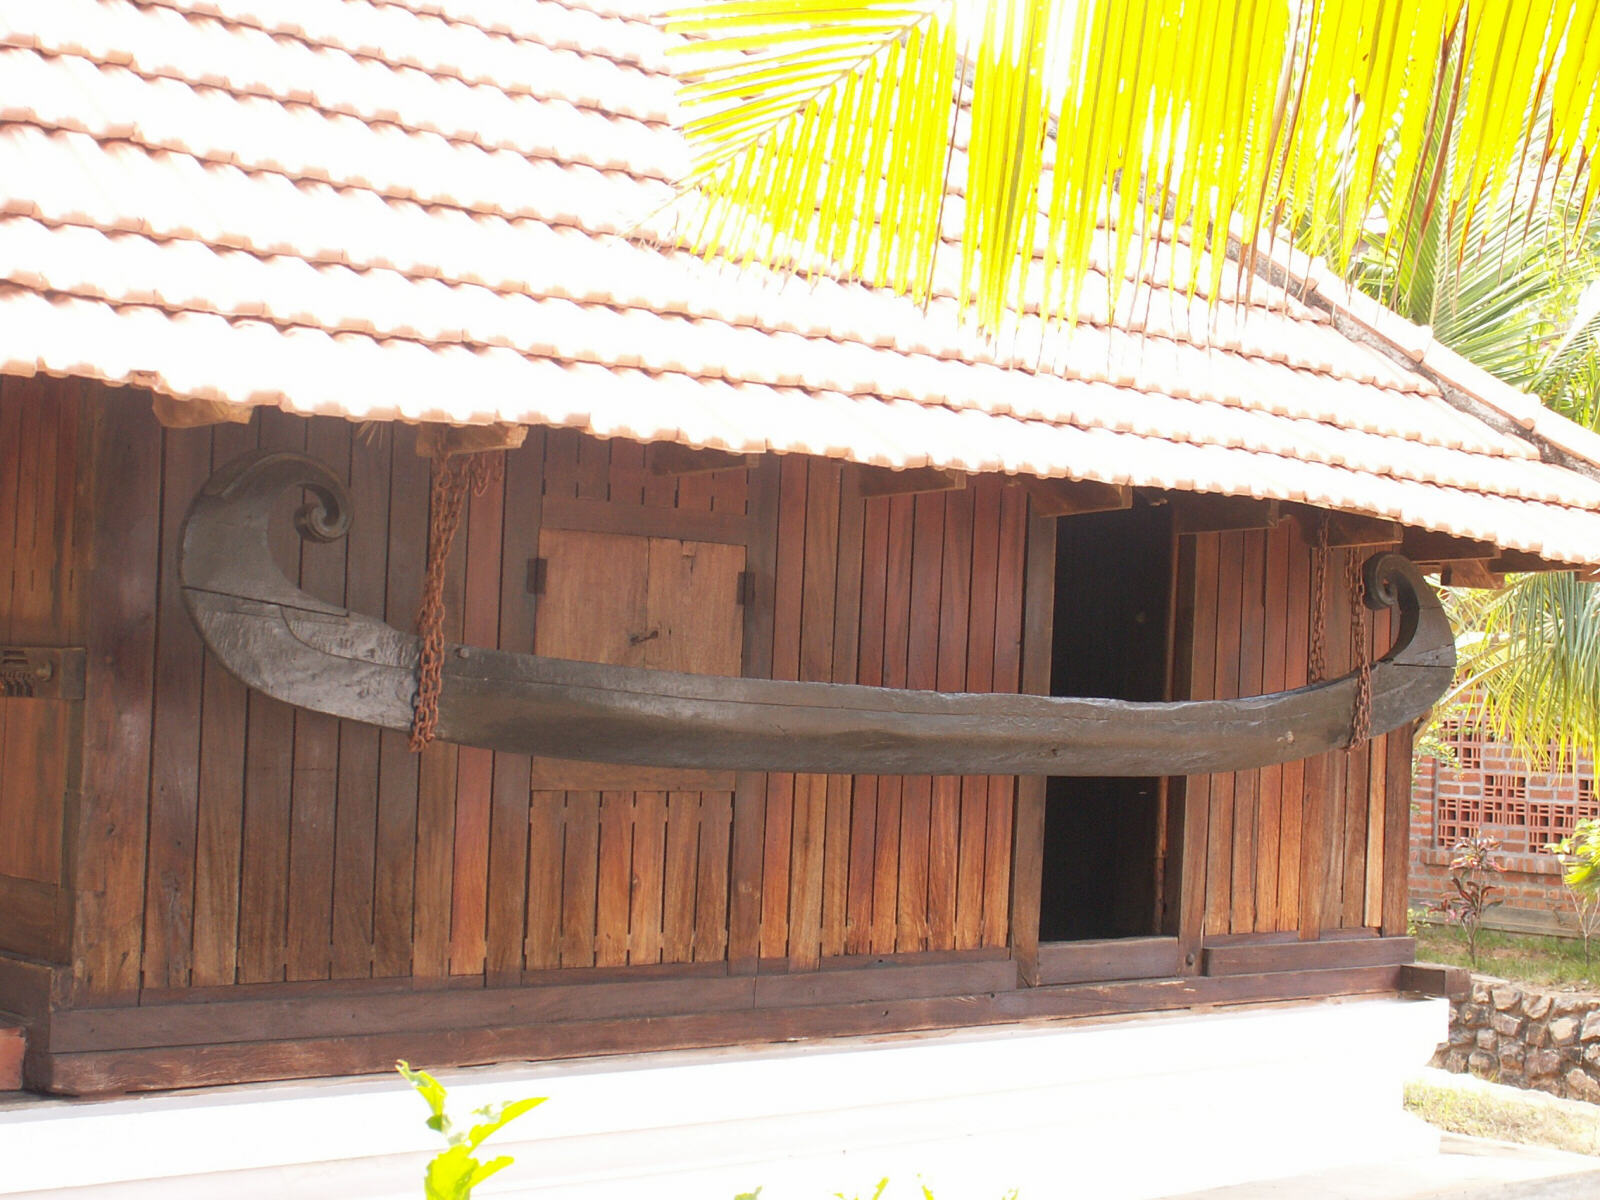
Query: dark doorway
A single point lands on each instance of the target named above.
(1102, 836)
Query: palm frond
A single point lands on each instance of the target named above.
(822, 130)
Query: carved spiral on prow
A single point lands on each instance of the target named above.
(1386, 576)
(326, 516)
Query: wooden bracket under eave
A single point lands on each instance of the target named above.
(1470, 573)
(1428, 546)
(669, 458)
(174, 413)
(1072, 497)
(885, 481)
(1204, 512)
(435, 440)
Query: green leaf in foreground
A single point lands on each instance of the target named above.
(454, 1171)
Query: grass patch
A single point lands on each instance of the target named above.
(1530, 1119)
(1526, 958)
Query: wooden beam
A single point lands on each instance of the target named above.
(669, 458)
(1070, 497)
(1470, 572)
(1519, 561)
(436, 440)
(189, 414)
(884, 481)
(1352, 529)
(1327, 954)
(1428, 546)
(1200, 512)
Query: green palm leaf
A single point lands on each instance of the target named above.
(822, 130)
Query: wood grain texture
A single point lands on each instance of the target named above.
(314, 787)
(175, 732)
(219, 828)
(399, 771)
(123, 495)
(89, 1072)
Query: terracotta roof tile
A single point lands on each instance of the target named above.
(453, 210)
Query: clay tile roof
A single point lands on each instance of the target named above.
(447, 210)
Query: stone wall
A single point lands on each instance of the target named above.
(1524, 1037)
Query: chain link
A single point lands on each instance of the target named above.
(453, 476)
(1319, 600)
(1361, 717)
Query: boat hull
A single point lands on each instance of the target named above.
(290, 645)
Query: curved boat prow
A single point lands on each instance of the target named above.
(292, 646)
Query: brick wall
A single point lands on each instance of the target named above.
(1489, 790)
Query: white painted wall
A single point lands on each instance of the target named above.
(1134, 1107)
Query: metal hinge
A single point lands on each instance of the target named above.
(42, 672)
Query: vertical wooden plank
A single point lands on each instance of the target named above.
(805, 886)
(516, 928)
(1204, 552)
(269, 774)
(483, 587)
(1038, 613)
(593, 477)
(1398, 745)
(175, 730)
(944, 822)
(730, 491)
(1274, 662)
(680, 874)
(787, 610)
(544, 884)
(1005, 797)
(819, 583)
(124, 489)
(1247, 785)
(546, 832)
(315, 785)
(1357, 775)
(711, 923)
(896, 654)
(869, 671)
(437, 778)
(922, 672)
(626, 472)
(219, 826)
(1219, 853)
(972, 837)
(748, 834)
(34, 735)
(646, 881)
(1337, 763)
(695, 492)
(12, 406)
(1377, 792)
(839, 852)
(356, 814)
(399, 771)
(614, 879)
(561, 463)
(1296, 663)
(579, 879)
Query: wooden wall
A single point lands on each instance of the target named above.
(1308, 846)
(256, 843)
(40, 605)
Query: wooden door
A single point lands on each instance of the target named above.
(642, 852)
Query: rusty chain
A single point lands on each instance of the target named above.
(1319, 600)
(1361, 717)
(453, 476)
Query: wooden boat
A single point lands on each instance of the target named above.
(288, 644)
